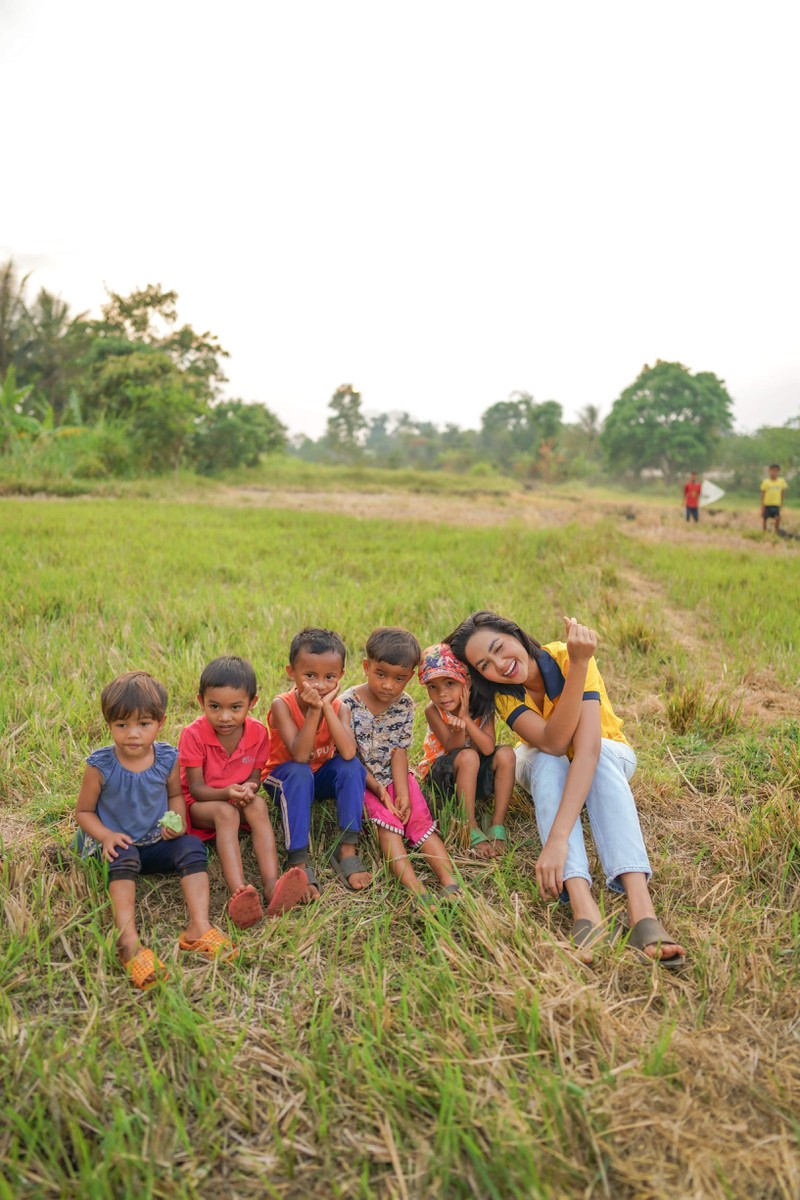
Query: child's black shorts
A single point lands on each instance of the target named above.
(771, 510)
(442, 776)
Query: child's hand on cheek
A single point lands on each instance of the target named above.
(310, 696)
(463, 707)
(331, 696)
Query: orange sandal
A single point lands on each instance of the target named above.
(145, 970)
(244, 909)
(212, 945)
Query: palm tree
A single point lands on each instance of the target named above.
(12, 314)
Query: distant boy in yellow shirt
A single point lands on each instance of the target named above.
(772, 490)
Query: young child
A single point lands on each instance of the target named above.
(571, 752)
(127, 789)
(461, 756)
(312, 756)
(772, 493)
(221, 756)
(382, 718)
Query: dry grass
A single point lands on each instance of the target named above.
(358, 1049)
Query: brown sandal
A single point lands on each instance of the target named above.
(650, 932)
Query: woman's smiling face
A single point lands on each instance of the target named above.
(498, 657)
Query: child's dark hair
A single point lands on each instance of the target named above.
(316, 641)
(229, 671)
(774, 466)
(395, 646)
(134, 692)
(482, 692)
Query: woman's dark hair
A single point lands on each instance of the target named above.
(482, 692)
(229, 671)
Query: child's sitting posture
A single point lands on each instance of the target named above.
(221, 756)
(382, 717)
(126, 792)
(461, 755)
(312, 756)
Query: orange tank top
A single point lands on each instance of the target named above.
(324, 745)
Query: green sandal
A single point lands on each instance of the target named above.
(476, 838)
(497, 833)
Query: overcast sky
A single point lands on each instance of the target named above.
(440, 202)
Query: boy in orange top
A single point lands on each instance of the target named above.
(312, 756)
(691, 497)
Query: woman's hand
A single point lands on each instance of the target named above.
(550, 867)
(581, 641)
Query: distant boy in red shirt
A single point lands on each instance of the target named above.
(691, 497)
(221, 755)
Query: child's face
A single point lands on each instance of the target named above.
(320, 671)
(385, 680)
(498, 656)
(226, 708)
(773, 472)
(446, 693)
(134, 735)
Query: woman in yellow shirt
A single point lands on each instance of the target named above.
(571, 752)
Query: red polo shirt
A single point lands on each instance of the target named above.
(691, 493)
(199, 746)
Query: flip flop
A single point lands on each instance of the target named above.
(585, 934)
(288, 891)
(244, 909)
(453, 889)
(476, 838)
(346, 867)
(650, 932)
(212, 945)
(145, 970)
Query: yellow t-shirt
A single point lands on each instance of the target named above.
(553, 662)
(772, 491)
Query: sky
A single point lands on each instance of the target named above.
(440, 202)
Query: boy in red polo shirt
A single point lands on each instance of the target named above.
(221, 755)
(691, 497)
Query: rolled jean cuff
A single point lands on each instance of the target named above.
(613, 883)
(564, 897)
(123, 873)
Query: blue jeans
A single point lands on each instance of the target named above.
(610, 807)
(295, 787)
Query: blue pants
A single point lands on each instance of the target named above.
(295, 787)
(610, 806)
(183, 855)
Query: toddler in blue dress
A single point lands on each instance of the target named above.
(131, 812)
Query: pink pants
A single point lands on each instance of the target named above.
(419, 826)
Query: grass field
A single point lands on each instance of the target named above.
(355, 1049)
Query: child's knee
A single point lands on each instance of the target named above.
(467, 763)
(190, 855)
(504, 759)
(227, 819)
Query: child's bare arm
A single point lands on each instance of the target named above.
(299, 742)
(450, 736)
(175, 802)
(339, 725)
(88, 820)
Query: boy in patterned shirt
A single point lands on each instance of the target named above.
(382, 720)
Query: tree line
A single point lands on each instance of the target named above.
(135, 392)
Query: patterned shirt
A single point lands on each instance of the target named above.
(377, 736)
